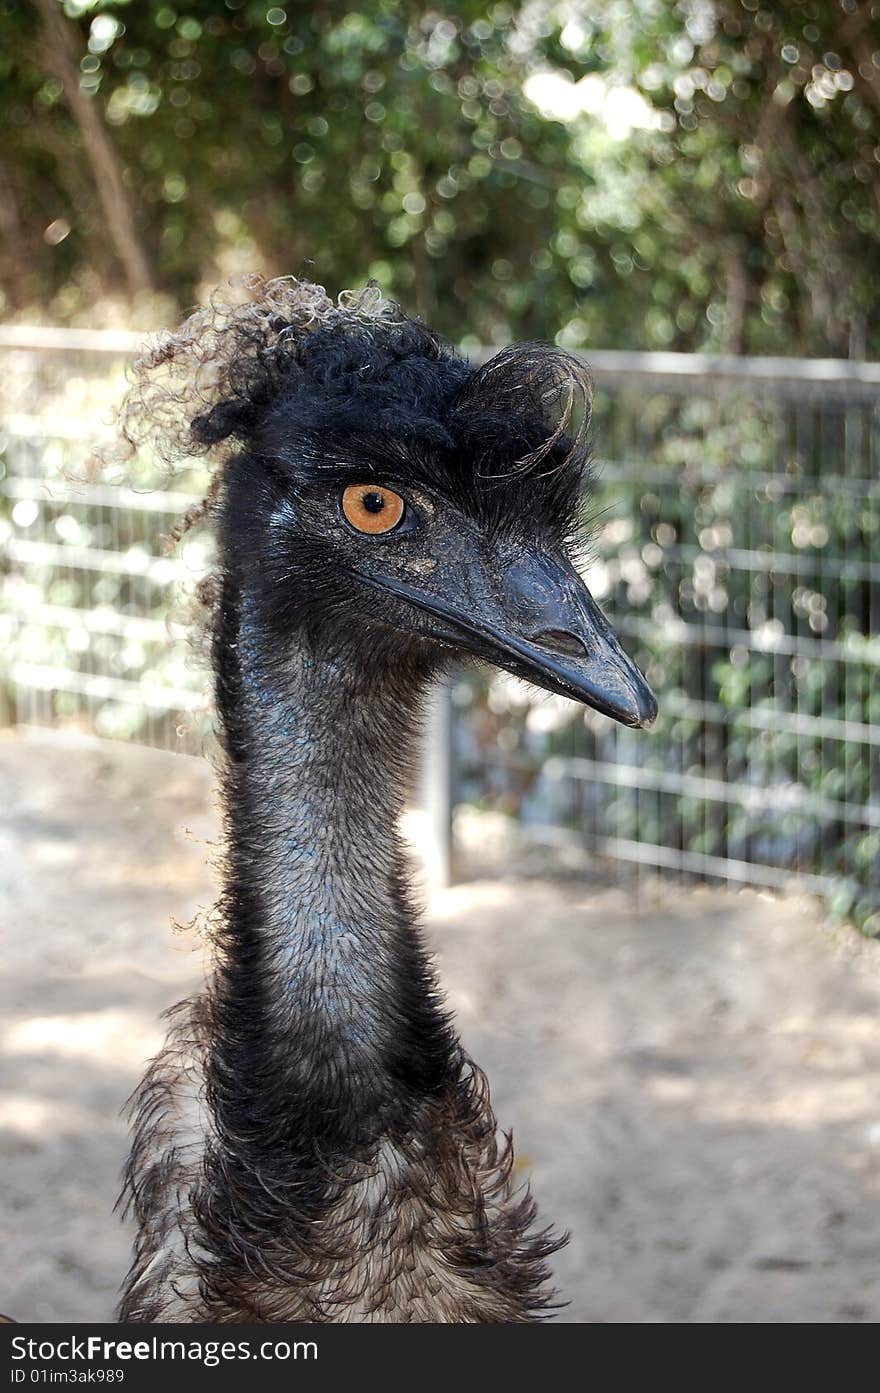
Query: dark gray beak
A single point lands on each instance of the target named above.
(539, 621)
(557, 637)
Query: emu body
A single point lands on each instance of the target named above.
(313, 1143)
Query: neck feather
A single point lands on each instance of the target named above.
(326, 1020)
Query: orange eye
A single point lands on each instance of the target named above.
(371, 508)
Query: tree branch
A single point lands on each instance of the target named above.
(61, 57)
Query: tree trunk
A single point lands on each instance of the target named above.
(62, 59)
(10, 219)
(17, 261)
(737, 290)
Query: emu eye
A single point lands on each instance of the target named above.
(371, 508)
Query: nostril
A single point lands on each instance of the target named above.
(561, 641)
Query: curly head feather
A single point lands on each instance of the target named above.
(279, 363)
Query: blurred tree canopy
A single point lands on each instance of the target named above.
(641, 173)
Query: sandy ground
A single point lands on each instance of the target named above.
(693, 1082)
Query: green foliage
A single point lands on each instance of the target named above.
(695, 176)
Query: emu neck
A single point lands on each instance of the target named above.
(326, 1018)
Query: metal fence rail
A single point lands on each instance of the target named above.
(736, 547)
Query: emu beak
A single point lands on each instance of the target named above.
(555, 635)
(539, 621)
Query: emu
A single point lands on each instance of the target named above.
(313, 1143)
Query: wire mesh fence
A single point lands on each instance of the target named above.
(735, 546)
(94, 637)
(737, 553)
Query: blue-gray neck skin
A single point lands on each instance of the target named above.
(327, 1028)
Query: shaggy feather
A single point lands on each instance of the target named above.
(313, 1143)
(314, 386)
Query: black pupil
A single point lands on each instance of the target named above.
(373, 502)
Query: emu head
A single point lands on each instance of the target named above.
(387, 495)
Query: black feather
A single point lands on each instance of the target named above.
(313, 1143)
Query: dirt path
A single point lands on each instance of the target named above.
(694, 1088)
